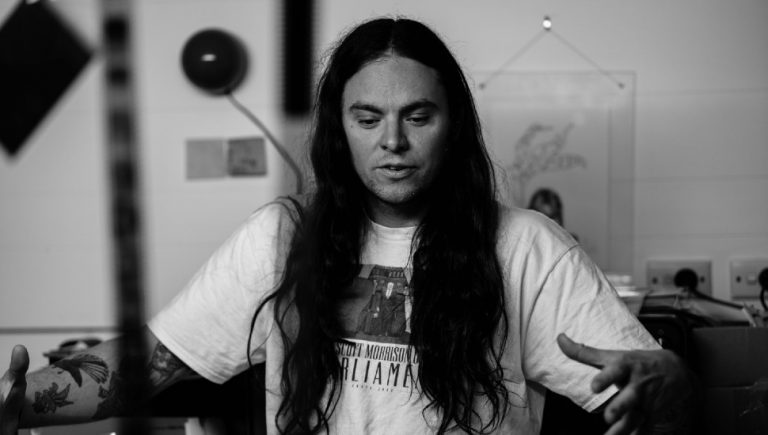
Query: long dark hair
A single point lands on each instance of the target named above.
(458, 319)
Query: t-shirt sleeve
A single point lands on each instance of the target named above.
(207, 324)
(577, 299)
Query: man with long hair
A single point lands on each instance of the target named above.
(400, 296)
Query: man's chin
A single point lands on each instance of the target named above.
(400, 199)
(405, 200)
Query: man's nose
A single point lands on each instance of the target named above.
(394, 139)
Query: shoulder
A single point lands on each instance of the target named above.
(530, 246)
(267, 230)
(277, 216)
(530, 228)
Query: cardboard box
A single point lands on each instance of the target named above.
(732, 356)
(735, 410)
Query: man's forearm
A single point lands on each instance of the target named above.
(76, 389)
(89, 385)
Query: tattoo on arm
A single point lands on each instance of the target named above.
(165, 366)
(91, 365)
(51, 399)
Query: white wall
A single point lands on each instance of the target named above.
(54, 252)
(701, 140)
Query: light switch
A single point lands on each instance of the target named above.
(246, 156)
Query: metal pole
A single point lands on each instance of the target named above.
(125, 206)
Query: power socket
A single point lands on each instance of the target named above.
(745, 273)
(661, 273)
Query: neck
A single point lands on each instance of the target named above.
(396, 215)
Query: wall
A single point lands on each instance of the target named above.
(55, 251)
(701, 128)
(701, 141)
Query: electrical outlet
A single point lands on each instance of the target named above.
(661, 273)
(745, 273)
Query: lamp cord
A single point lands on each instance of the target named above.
(278, 146)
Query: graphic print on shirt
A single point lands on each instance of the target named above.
(375, 314)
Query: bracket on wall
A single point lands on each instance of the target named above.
(547, 29)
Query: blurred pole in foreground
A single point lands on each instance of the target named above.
(130, 378)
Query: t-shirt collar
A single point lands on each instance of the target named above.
(392, 234)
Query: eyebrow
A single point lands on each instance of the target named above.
(410, 107)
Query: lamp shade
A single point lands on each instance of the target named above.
(214, 60)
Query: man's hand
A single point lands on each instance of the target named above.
(13, 385)
(650, 383)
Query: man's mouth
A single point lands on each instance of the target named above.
(396, 171)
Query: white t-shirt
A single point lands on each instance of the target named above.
(551, 287)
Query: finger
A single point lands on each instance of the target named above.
(628, 424)
(625, 401)
(14, 399)
(16, 382)
(614, 373)
(582, 353)
(19, 362)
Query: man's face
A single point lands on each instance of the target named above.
(395, 116)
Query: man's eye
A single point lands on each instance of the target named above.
(367, 122)
(418, 119)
